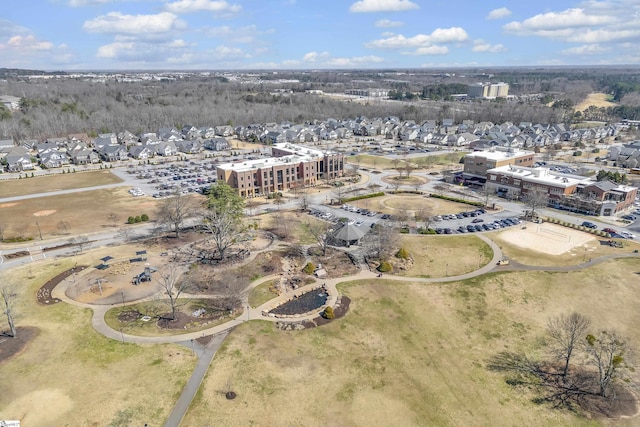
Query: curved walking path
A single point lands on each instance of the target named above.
(219, 332)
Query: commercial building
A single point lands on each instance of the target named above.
(564, 191)
(477, 164)
(488, 90)
(292, 166)
(379, 93)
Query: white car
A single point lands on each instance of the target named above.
(627, 235)
(359, 222)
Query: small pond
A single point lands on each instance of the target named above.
(304, 303)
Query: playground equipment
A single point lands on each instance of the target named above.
(145, 276)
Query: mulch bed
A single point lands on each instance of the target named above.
(339, 312)
(43, 295)
(10, 347)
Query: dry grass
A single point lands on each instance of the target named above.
(412, 354)
(84, 212)
(45, 184)
(262, 293)
(596, 99)
(392, 204)
(71, 375)
(369, 161)
(288, 223)
(440, 256)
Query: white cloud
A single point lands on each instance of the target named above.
(569, 18)
(438, 36)
(134, 25)
(324, 59)
(387, 23)
(587, 49)
(500, 13)
(383, 6)
(26, 43)
(80, 3)
(191, 6)
(225, 52)
(429, 50)
(482, 46)
(315, 56)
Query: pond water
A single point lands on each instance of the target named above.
(304, 303)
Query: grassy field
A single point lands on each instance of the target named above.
(380, 162)
(596, 99)
(45, 184)
(413, 354)
(440, 256)
(261, 294)
(391, 204)
(83, 212)
(71, 375)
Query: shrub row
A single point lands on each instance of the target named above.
(455, 199)
(137, 219)
(423, 230)
(407, 192)
(364, 196)
(593, 231)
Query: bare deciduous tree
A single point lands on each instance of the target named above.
(423, 215)
(169, 278)
(175, 210)
(567, 331)
(114, 218)
(381, 242)
(9, 295)
(81, 242)
(319, 230)
(63, 226)
(536, 199)
(606, 353)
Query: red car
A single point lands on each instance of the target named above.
(609, 230)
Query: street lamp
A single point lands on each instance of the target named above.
(122, 293)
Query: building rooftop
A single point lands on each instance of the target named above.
(541, 175)
(246, 165)
(499, 154)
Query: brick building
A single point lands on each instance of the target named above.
(292, 166)
(477, 164)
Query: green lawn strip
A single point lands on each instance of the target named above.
(44, 184)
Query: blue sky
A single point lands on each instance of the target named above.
(315, 34)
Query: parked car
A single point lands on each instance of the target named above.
(627, 235)
(476, 220)
(589, 225)
(609, 230)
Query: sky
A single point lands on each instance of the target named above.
(315, 34)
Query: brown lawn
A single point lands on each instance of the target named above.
(597, 99)
(82, 212)
(67, 181)
(413, 354)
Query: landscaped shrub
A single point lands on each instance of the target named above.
(328, 313)
(309, 268)
(422, 230)
(385, 267)
(137, 219)
(131, 220)
(144, 217)
(455, 199)
(402, 254)
(364, 196)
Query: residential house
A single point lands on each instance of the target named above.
(142, 152)
(216, 144)
(112, 153)
(166, 149)
(53, 159)
(19, 162)
(84, 157)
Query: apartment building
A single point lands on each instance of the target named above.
(292, 166)
(488, 90)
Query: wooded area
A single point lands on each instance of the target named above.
(57, 107)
